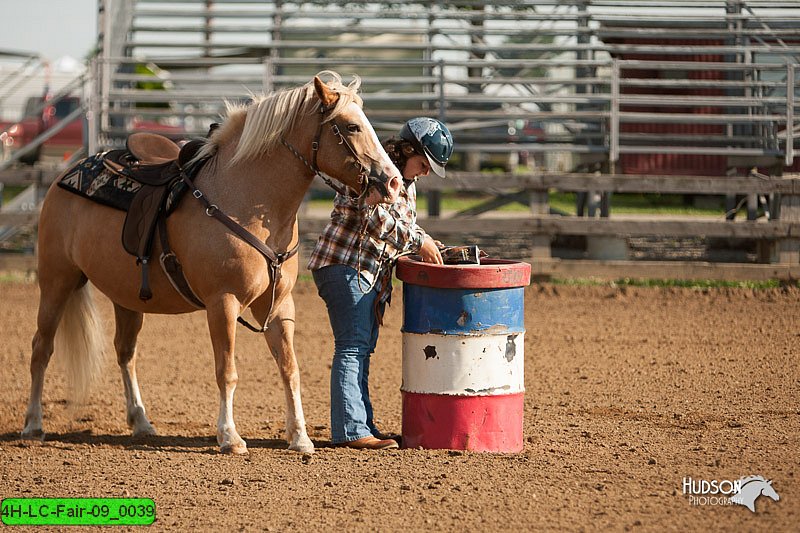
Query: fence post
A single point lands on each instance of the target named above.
(39, 189)
(103, 90)
(789, 247)
(613, 151)
(267, 81)
(789, 113)
(93, 108)
(613, 148)
(435, 196)
(540, 206)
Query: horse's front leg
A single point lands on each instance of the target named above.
(280, 338)
(222, 326)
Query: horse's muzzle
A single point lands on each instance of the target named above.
(381, 187)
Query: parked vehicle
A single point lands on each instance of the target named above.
(68, 140)
(503, 133)
(62, 145)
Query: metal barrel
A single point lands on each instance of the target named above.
(463, 354)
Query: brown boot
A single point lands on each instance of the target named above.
(370, 443)
(393, 436)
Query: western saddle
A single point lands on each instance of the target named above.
(157, 164)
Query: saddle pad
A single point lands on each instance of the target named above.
(91, 179)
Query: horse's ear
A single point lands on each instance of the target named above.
(326, 96)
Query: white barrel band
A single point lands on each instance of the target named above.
(463, 365)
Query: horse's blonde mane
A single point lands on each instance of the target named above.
(268, 117)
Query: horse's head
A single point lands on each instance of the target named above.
(321, 125)
(348, 148)
(769, 491)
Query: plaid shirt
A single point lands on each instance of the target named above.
(387, 230)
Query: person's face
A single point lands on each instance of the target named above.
(416, 166)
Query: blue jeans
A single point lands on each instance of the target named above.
(355, 332)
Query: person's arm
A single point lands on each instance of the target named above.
(402, 234)
(387, 225)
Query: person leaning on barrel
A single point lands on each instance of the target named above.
(352, 268)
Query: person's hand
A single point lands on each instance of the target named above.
(430, 253)
(374, 197)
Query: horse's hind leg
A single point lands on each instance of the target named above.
(280, 338)
(55, 290)
(129, 324)
(222, 327)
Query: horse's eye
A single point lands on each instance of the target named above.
(353, 128)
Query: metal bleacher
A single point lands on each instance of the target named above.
(550, 77)
(596, 97)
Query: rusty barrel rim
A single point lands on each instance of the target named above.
(490, 274)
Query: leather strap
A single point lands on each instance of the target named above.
(329, 182)
(173, 269)
(370, 177)
(273, 258)
(145, 293)
(213, 211)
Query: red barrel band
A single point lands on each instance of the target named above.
(476, 423)
(490, 274)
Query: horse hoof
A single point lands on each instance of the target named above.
(234, 449)
(302, 447)
(33, 434)
(146, 431)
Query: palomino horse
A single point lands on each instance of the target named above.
(261, 165)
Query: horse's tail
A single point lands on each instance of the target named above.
(79, 340)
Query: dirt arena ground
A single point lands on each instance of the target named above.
(628, 391)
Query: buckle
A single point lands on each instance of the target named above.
(315, 146)
(197, 193)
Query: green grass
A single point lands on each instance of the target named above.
(642, 204)
(10, 191)
(15, 277)
(691, 284)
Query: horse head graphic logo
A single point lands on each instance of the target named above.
(751, 488)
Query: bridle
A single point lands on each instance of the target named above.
(368, 177)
